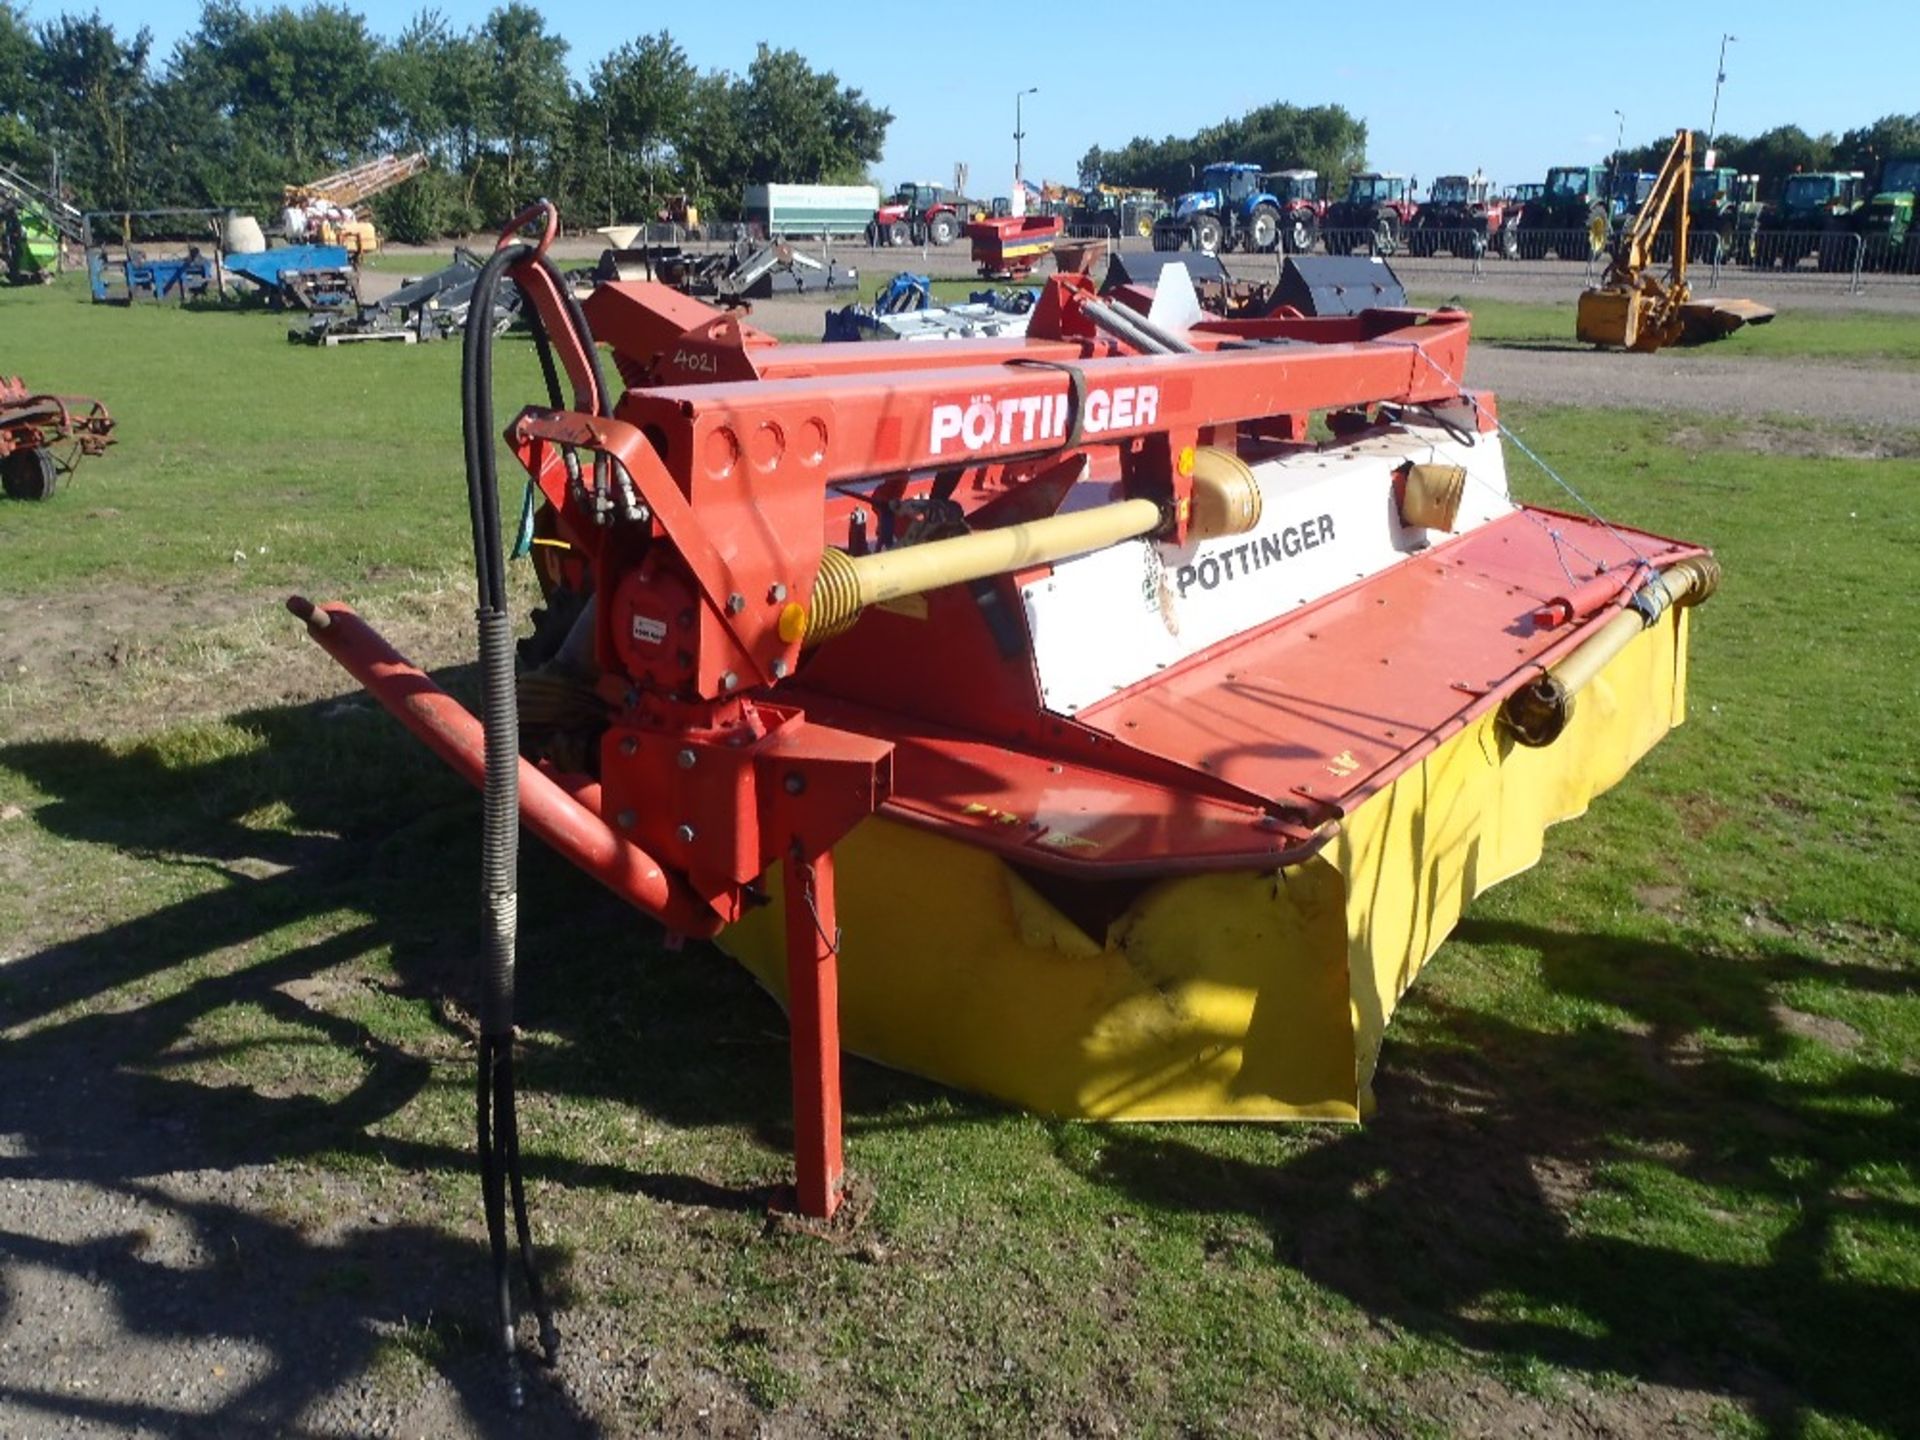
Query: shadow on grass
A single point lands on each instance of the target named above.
(1475, 1209)
(1492, 1201)
(340, 850)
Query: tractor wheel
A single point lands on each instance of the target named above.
(897, 234)
(1301, 231)
(941, 229)
(1476, 245)
(1263, 231)
(28, 475)
(1386, 235)
(1143, 226)
(1207, 235)
(1509, 242)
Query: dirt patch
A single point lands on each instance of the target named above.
(1563, 1183)
(115, 659)
(1834, 1034)
(1813, 442)
(1700, 815)
(1486, 1408)
(1660, 899)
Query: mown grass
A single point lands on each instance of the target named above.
(240, 457)
(1648, 1124)
(1885, 338)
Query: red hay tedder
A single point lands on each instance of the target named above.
(1144, 744)
(34, 427)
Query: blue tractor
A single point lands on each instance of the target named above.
(1232, 209)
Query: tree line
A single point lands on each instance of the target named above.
(252, 101)
(1777, 153)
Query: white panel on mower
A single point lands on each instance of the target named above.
(1105, 621)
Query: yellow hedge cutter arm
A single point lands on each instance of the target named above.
(1633, 308)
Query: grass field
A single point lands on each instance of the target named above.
(1646, 1154)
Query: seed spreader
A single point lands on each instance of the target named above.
(1112, 720)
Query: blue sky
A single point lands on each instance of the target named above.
(1507, 88)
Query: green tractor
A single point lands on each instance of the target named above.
(1885, 225)
(1566, 216)
(1723, 210)
(1813, 216)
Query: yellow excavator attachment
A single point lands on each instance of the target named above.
(1634, 309)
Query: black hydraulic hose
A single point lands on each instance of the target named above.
(496, 1125)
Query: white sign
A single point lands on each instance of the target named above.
(1327, 518)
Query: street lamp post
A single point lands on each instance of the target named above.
(1019, 131)
(1719, 79)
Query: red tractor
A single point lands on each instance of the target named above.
(918, 213)
(1465, 218)
(1377, 214)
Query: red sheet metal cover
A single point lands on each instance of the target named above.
(1330, 703)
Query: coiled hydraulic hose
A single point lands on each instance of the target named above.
(496, 1123)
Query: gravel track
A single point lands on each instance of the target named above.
(1696, 381)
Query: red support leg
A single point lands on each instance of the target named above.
(813, 1018)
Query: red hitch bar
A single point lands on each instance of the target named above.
(453, 733)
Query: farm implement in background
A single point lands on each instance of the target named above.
(904, 310)
(36, 227)
(1054, 717)
(1636, 308)
(735, 276)
(1007, 247)
(185, 255)
(35, 428)
(328, 211)
(426, 307)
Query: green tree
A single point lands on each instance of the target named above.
(438, 90)
(634, 113)
(23, 103)
(1891, 137)
(1092, 168)
(529, 96)
(1775, 154)
(712, 148)
(807, 127)
(304, 81)
(95, 84)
